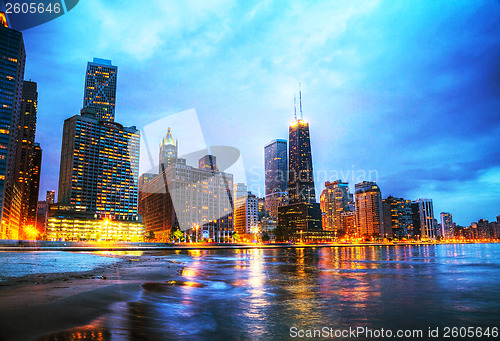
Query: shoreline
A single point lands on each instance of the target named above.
(37, 305)
(28, 246)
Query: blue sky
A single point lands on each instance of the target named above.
(406, 92)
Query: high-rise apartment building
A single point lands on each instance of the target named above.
(100, 88)
(369, 218)
(446, 225)
(99, 166)
(334, 201)
(246, 214)
(12, 61)
(398, 220)
(423, 218)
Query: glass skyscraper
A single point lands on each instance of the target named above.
(100, 88)
(12, 61)
(276, 166)
(276, 175)
(302, 214)
(300, 175)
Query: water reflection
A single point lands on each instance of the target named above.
(261, 293)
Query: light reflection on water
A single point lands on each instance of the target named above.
(261, 293)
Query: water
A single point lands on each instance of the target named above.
(261, 294)
(17, 264)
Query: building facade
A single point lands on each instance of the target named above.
(246, 214)
(334, 201)
(64, 223)
(423, 218)
(446, 225)
(300, 169)
(398, 217)
(12, 62)
(99, 166)
(100, 88)
(369, 218)
(276, 176)
(197, 201)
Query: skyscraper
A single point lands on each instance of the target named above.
(369, 219)
(423, 218)
(446, 225)
(276, 166)
(276, 176)
(300, 174)
(398, 219)
(302, 214)
(246, 214)
(27, 169)
(168, 151)
(334, 201)
(12, 61)
(99, 166)
(100, 88)
(34, 185)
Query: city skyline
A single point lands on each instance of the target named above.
(388, 109)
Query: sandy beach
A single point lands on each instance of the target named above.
(37, 305)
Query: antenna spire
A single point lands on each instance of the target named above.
(294, 106)
(300, 101)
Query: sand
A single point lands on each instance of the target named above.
(36, 305)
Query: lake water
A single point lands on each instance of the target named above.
(17, 264)
(262, 294)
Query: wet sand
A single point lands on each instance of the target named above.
(36, 305)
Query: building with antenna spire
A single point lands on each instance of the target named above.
(302, 214)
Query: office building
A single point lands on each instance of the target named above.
(65, 223)
(334, 201)
(197, 201)
(100, 88)
(41, 217)
(33, 186)
(240, 190)
(300, 175)
(398, 220)
(302, 214)
(369, 218)
(99, 166)
(423, 219)
(168, 152)
(12, 62)
(276, 176)
(446, 225)
(26, 174)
